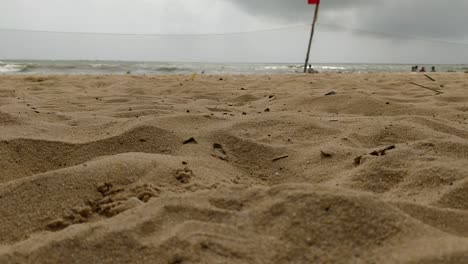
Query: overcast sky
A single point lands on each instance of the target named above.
(394, 31)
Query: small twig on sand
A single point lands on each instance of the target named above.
(280, 158)
(430, 78)
(325, 155)
(383, 151)
(428, 88)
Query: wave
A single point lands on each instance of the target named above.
(109, 67)
(50, 67)
(332, 68)
(12, 68)
(167, 69)
(277, 67)
(54, 66)
(98, 65)
(136, 67)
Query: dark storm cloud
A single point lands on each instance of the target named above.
(337, 39)
(295, 10)
(429, 18)
(426, 18)
(294, 7)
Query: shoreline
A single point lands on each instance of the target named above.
(103, 67)
(25, 75)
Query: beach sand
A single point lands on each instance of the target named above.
(234, 169)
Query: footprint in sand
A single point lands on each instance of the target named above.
(219, 152)
(118, 200)
(113, 202)
(184, 175)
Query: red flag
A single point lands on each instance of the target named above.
(314, 2)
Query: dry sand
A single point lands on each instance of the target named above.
(234, 169)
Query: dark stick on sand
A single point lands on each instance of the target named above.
(428, 88)
(430, 78)
(280, 158)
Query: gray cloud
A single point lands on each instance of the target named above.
(425, 18)
(429, 19)
(295, 7)
(295, 10)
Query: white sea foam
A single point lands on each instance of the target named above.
(276, 67)
(332, 68)
(7, 68)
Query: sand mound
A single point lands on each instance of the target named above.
(457, 198)
(288, 223)
(7, 119)
(30, 204)
(281, 131)
(25, 157)
(248, 169)
(245, 99)
(450, 221)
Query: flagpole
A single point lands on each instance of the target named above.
(311, 36)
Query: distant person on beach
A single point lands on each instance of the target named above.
(311, 70)
(422, 69)
(433, 69)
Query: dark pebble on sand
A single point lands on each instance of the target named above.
(325, 155)
(190, 141)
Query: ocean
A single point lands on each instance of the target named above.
(119, 67)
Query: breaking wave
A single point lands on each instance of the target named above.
(12, 68)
